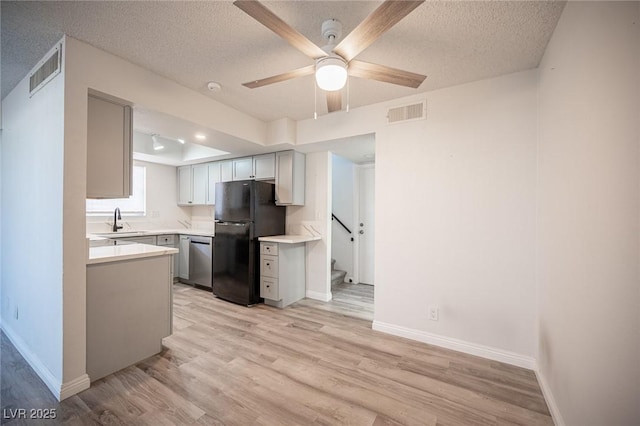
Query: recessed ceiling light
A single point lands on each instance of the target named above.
(200, 136)
(181, 141)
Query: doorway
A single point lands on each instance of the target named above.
(352, 238)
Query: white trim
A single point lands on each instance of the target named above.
(324, 297)
(457, 345)
(58, 389)
(551, 402)
(355, 247)
(33, 360)
(74, 386)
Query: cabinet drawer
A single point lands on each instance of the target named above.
(269, 266)
(269, 248)
(269, 288)
(166, 240)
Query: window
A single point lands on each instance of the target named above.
(132, 206)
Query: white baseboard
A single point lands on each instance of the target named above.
(74, 386)
(58, 389)
(551, 402)
(457, 345)
(324, 297)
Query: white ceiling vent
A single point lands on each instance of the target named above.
(46, 70)
(411, 112)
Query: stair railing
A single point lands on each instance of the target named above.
(333, 216)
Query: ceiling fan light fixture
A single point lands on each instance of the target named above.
(331, 73)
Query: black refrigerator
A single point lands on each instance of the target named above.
(244, 211)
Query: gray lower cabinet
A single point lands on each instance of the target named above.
(171, 241)
(282, 273)
(183, 257)
(129, 311)
(151, 240)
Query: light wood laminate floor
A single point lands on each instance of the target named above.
(231, 365)
(354, 300)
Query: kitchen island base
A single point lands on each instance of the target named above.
(129, 311)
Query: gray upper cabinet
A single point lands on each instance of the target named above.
(193, 185)
(185, 186)
(214, 177)
(109, 147)
(226, 171)
(290, 178)
(258, 167)
(264, 166)
(243, 168)
(197, 183)
(200, 176)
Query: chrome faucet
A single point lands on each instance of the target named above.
(116, 216)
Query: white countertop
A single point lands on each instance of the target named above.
(290, 239)
(117, 253)
(132, 233)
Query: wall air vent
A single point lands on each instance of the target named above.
(46, 70)
(404, 113)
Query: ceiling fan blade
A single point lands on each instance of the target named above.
(386, 74)
(300, 72)
(334, 101)
(267, 18)
(377, 23)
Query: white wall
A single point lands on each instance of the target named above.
(32, 225)
(589, 106)
(163, 211)
(455, 215)
(315, 215)
(60, 269)
(343, 199)
(455, 219)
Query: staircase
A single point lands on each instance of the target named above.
(337, 276)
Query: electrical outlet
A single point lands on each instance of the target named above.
(433, 313)
(155, 213)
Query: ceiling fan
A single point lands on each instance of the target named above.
(334, 61)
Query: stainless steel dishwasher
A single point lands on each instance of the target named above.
(200, 249)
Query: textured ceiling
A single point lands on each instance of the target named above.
(196, 42)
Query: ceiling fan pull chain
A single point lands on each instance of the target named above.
(348, 92)
(315, 100)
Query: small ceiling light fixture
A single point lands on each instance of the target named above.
(214, 86)
(181, 141)
(200, 136)
(331, 73)
(157, 146)
(331, 70)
